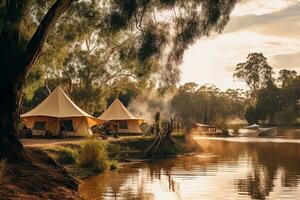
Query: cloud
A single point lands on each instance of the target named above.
(287, 61)
(260, 7)
(269, 27)
(213, 60)
(284, 22)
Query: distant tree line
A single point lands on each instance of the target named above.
(272, 101)
(207, 104)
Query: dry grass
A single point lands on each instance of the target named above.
(68, 155)
(3, 167)
(94, 155)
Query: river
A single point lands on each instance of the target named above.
(226, 168)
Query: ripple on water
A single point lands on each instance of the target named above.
(224, 170)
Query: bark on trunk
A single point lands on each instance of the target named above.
(10, 147)
(15, 66)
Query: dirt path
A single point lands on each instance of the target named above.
(39, 142)
(49, 142)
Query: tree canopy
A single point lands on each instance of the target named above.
(33, 32)
(255, 72)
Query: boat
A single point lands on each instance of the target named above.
(256, 130)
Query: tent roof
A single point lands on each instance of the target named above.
(58, 105)
(117, 111)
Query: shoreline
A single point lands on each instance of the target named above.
(124, 150)
(47, 178)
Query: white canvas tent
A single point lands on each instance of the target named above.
(118, 114)
(57, 114)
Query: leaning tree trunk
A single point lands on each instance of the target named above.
(10, 147)
(14, 68)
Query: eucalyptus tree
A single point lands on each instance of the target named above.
(286, 76)
(207, 104)
(164, 28)
(255, 72)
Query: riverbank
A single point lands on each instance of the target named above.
(121, 150)
(49, 178)
(43, 178)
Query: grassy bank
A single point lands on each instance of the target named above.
(94, 156)
(42, 178)
(48, 176)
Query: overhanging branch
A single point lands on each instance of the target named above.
(37, 41)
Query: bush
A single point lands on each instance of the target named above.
(94, 155)
(113, 165)
(68, 155)
(114, 151)
(3, 167)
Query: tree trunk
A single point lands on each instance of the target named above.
(10, 147)
(14, 69)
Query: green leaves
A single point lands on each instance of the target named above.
(256, 72)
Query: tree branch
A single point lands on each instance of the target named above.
(37, 41)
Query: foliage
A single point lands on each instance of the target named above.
(251, 115)
(285, 76)
(268, 100)
(94, 155)
(68, 155)
(3, 168)
(190, 20)
(207, 104)
(255, 72)
(286, 116)
(58, 26)
(114, 164)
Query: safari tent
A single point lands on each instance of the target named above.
(117, 114)
(58, 114)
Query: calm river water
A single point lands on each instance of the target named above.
(231, 168)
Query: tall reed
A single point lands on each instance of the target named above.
(94, 155)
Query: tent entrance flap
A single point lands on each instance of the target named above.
(50, 123)
(78, 126)
(67, 125)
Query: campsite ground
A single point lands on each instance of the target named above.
(51, 177)
(38, 142)
(42, 178)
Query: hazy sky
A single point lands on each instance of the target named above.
(268, 26)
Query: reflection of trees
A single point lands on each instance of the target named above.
(267, 161)
(258, 183)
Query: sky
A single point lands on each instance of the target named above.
(271, 27)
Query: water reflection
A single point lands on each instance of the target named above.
(223, 170)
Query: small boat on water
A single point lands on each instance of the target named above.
(256, 130)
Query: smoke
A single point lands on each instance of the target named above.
(149, 103)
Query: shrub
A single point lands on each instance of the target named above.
(94, 155)
(114, 151)
(3, 167)
(113, 165)
(68, 155)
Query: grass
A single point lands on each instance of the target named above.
(114, 164)
(3, 167)
(93, 155)
(68, 155)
